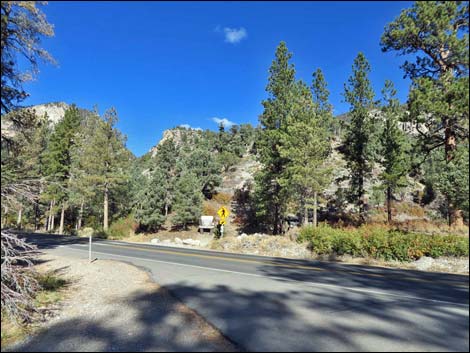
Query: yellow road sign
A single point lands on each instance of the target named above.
(223, 212)
(222, 221)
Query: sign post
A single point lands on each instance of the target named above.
(223, 213)
(89, 250)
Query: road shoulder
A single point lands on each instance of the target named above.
(114, 306)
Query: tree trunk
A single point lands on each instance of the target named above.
(305, 214)
(389, 204)
(4, 218)
(456, 218)
(48, 219)
(62, 216)
(36, 215)
(454, 214)
(276, 229)
(105, 208)
(315, 207)
(80, 216)
(20, 214)
(52, 216)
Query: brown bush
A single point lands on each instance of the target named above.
(209, 208)
(222, 198)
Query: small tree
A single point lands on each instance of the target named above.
(150, 208)
(392, 151)
(188, 201)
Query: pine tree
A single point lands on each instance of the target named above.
(150, 207)
(104, 159)
(357, 146)
(306, 146)
(58, 159)
(271, 198)
(437, 32)
(188, 201)
(394, 159)
(320, 96)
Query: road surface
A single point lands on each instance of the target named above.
(273, 304)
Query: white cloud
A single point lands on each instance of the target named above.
(234, 35)
(189, 127)
(225, 122)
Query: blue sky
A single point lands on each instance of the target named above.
(163, 64)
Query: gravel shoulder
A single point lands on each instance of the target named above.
(114, 306)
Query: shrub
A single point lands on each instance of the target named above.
(222, 198)
(382, 243)
(85, 232)
(209, 208)
(122, 228)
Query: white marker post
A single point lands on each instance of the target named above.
(221, 230)
(89, 250)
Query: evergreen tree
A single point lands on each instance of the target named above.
(58, 159)
(150, 207)
(357, 146)
(206, 169)
(271, 198)
(320, 96)
(188, 201)
(104, 159)
(393, 153)
(23, 25)
(306, 146)
(437, 32)
(166, 162)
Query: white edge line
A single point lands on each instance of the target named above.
(313, 284)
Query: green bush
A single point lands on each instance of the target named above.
(50, 282)
(382, 243)
(122, 228)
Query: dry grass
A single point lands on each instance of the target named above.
(276, 246)
(52, 293)
(424, 226)
(222, 198)
(210, 208)
(164, 235)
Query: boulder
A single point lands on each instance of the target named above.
(191, 242)
(155, 241)
(424, 263)
(178, 241)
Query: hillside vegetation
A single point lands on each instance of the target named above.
(404, 166)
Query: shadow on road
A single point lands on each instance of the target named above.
(265, 321)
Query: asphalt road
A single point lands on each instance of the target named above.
(273, 304)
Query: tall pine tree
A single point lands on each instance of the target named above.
(271, 198)
(437, 33)
(104, 159)
(58, 160)
(357, 147)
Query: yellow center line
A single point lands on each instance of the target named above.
(270, 263)
(215, 257)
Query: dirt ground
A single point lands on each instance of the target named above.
(113, 306)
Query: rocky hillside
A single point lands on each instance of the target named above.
(54, 111)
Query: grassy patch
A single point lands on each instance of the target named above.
(51, 293)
